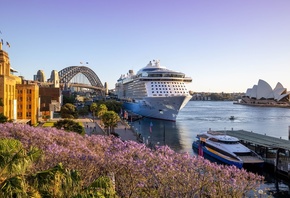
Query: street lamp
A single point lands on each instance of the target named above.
(161, 112)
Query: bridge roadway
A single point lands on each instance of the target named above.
(86, 86)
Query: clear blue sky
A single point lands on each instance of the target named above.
(224, 45)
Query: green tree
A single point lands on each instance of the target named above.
(110, 120)
(112, 105)
(83, 111)
(70, 125)
(69, 99)
(102, 187)
(15, 162)
(3, 118)
(57, 182)
(102, 109)
(93, 109)
(68, 111)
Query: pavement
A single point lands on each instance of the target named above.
(95, 127)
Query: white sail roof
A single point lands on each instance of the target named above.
(264, 91)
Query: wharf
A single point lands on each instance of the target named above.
(274, 151)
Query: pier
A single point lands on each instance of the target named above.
(274, 151)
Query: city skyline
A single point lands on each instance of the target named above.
(225, 46)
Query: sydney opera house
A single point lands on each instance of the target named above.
(262, 94)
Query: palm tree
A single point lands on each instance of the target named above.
(57, 182)
(93, 109)
(14, 163)
(102, 109)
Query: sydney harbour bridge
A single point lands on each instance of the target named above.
(80, 77)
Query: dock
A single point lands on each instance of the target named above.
(274, 151)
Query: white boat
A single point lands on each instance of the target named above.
(226, 149)
(154, 91)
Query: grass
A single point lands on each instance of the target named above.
(48, 124)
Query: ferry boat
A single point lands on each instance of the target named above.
(154, 92)
(226, 149)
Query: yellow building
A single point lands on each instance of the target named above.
(27, 102)
(9, 84)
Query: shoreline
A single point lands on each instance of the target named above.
(263, 105)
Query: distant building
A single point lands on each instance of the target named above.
(54, 78)
(40, 77)
(50, 101)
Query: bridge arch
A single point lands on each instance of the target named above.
(66, 74)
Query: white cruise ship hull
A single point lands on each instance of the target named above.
(165, 108)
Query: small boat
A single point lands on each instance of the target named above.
(232, 117)
(226, 149)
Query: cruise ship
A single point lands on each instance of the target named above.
(154, 92)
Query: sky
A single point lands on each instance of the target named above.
(223, 45)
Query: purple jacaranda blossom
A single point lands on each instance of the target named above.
(137, 169)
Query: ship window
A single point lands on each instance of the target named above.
(155, 85)
(152, 91)
(157, 91)
(152, 85)
(151, 82)
(154, 95)
(160, 91)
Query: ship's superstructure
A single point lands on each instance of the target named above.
(154, 91)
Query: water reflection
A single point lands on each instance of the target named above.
(161, 132)
(199, 116)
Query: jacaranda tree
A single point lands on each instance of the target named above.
(134, 169)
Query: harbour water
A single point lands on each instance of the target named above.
(199, 116)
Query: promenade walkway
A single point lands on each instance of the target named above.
(94, 128)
